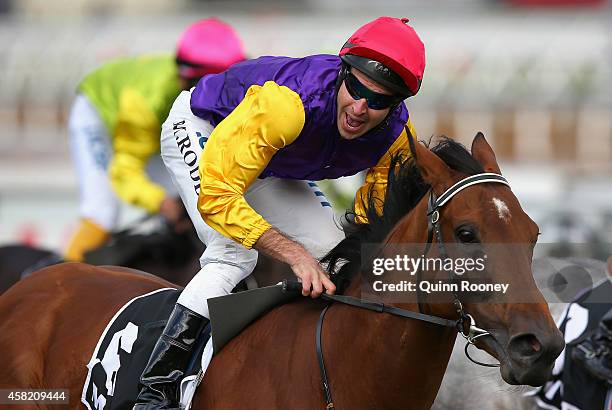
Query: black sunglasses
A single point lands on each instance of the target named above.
(375, 101)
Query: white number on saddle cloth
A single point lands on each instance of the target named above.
(111, 361)
(118, 347)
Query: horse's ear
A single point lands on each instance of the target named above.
(483, 153)
(433, 170)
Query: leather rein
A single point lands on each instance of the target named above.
(470, 332)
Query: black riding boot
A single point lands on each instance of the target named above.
(159, 383)
(595, 353)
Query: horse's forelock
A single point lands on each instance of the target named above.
(457, 157)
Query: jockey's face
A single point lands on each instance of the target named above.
(354, 117)
(186, 83)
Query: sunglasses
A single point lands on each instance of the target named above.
(375, 101)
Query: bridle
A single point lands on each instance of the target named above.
(471, 332)
(434, 230)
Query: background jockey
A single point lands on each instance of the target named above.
(115, 123)
(244, 145)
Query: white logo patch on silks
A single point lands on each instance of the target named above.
(502, 209)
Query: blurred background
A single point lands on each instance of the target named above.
(534, 75)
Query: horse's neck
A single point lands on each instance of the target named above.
(384, 360)
(387, 361)
(373, 360)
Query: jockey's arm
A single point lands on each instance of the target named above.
(376, 177)
(269, 118)
(136, 140)
(274, 243)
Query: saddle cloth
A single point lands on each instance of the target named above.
(125, 345)
(124, 349)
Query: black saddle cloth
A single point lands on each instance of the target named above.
(124, 349)
(128, 340)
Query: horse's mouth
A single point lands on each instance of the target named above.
(533, 373)
(534, 376)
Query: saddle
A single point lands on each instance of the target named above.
(125, 345)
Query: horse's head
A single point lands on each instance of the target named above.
(522, 334)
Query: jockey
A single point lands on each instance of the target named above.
(245, 145)
(115, 122)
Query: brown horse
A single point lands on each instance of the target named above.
(50, 322)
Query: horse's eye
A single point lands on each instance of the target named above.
(466, 235)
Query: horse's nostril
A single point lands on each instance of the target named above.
(535, 344)
(525, 346)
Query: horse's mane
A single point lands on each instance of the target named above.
(405, 188)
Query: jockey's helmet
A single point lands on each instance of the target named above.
(208, 46)
(390, 52)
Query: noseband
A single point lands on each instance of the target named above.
(470, 332)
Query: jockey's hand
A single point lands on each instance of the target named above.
(173, 211)
(304, 265)
(311, 274)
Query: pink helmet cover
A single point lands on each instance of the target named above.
(208, 46)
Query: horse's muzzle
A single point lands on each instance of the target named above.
(531, 357)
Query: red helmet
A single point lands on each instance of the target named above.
(388, 51)
(207, 47)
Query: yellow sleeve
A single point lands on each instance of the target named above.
(269, 118)
(136, 140)
(376, 178)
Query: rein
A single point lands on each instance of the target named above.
(471, 334)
